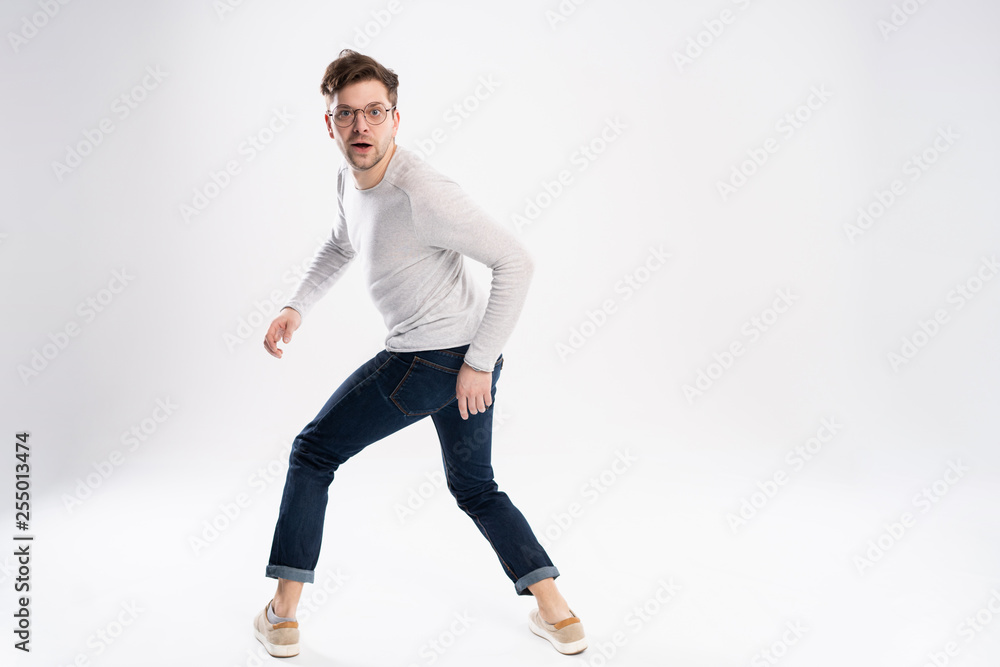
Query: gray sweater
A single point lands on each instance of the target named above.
(410, 232)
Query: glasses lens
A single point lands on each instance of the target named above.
(343, 116)
(375, 113)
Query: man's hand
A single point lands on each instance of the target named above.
(287, 321)
(473, 390)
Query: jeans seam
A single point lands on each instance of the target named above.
(437, 366)
(362, 383)
(392, 394)
(475, 516)
(490, 540)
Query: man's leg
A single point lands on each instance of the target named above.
(466, 451)
(286, 598)
(358, 413)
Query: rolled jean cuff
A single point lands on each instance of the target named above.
(292, 573)
(533, 577)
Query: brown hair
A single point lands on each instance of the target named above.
(352, 66)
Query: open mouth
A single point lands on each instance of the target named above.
(361, 146)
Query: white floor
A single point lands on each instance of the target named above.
(650, 564)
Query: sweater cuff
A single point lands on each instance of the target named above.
(476, 362)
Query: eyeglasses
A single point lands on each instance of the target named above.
(375, 114)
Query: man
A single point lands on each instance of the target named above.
(409, 227)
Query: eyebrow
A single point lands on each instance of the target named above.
(385, 104)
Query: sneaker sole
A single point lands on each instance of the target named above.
(571, 648)
(276, 650)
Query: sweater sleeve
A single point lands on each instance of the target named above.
(328, 264)
(444, 216)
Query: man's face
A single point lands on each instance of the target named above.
(363, 144)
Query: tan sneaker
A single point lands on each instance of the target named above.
(281, 640)
(566, 636)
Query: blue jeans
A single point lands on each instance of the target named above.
(390, 392)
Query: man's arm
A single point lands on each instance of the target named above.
(445, 216)
(328, 264)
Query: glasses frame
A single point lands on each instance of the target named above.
(354, 114)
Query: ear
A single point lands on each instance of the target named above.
(329, 127)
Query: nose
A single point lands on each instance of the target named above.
(360, 117)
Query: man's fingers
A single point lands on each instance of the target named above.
(473, 391)
(275, 332)
(476, 405)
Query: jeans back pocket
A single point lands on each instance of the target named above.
(425, 388)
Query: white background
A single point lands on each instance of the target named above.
(816, 552)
